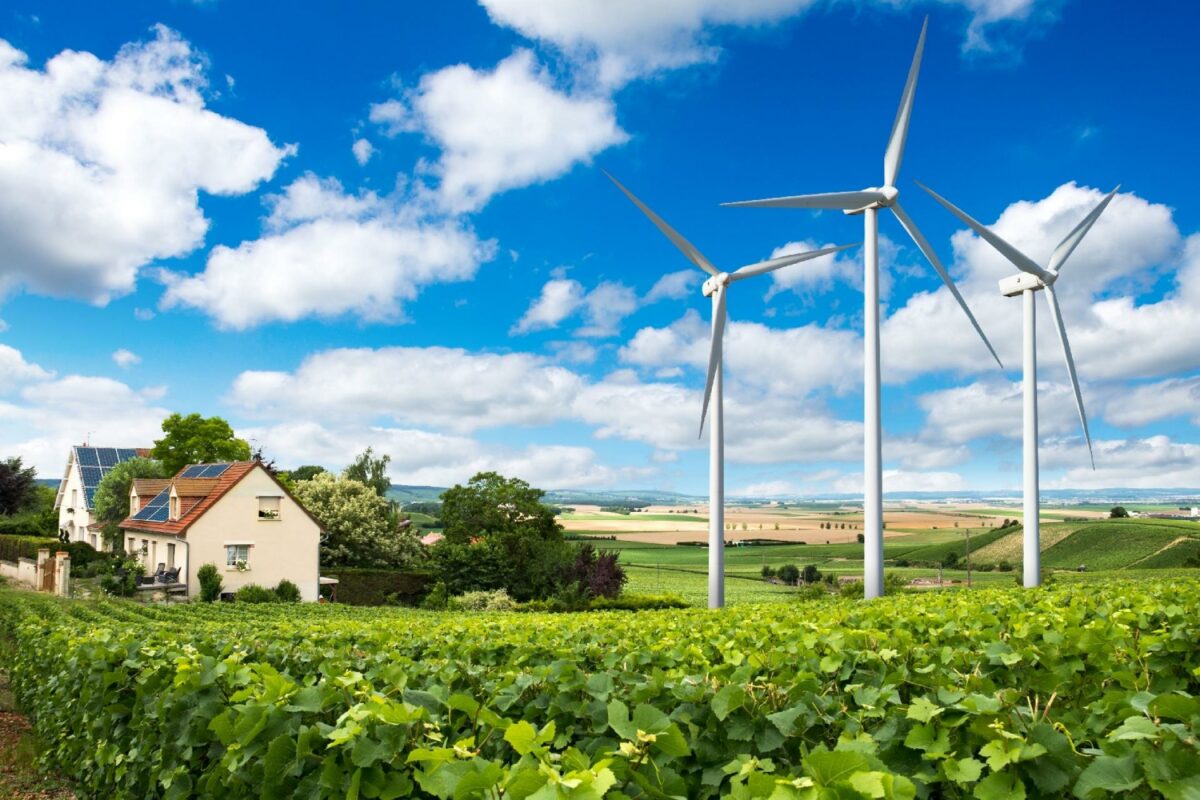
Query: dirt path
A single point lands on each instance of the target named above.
(1162, 549)
(20, 778)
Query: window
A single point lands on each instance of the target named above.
(171, 556)
(74, 497)
(175, 507)
(268, 508)
(237, 555)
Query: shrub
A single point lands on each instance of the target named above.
(811, 574)
(497, 600)
(597, 574)
(813, 591)
(1005, 566)
(14, 547)
(380, 587)
(287, 592)
(861, 538)
(210, 582)
(437, 599)
(638, 602)
(768, 571)
(894, 583)
(123, 581)
(253, 593)
(851, 589)
(789, 574)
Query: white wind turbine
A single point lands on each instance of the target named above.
(715, 287)
(1030, 279)
(868, 202)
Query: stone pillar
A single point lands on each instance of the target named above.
(43, 558)
(62, 574)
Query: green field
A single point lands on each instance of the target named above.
(1086, 690)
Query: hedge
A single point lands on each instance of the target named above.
(14, 547)
(359, 586)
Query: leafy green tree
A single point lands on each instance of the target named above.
(1118, 512)
(18, 487)
(111, 505)
(789, 574)
(360, 527)
(196, 440)
(305, 473)
(491, 504)
(372, 471)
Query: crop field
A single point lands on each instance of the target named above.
(988, 694)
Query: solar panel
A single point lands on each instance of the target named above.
(194, 471)
(91, 476)
(215, 470)
(91, 497)
(124, 454)
(87, 456)
(107, 456)
(157, 509)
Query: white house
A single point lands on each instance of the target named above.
(235, 516)
(86, 466)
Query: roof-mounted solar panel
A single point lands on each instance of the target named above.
(107, 456)
(194, 471)
(87, 456)
(91, 476)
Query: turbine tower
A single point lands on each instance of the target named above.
(868, 202)
(1033, 278)
(715, 288)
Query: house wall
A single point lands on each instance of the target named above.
(74, 517)
(156, 550)
(287, 547)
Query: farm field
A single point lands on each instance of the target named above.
(938, 694)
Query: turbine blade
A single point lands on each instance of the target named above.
(714, 353)
(925, 247)
(773, 264)
(686, 247)
(1052, 299)
(1019, 259)
(895, 147)
(1068, 245)
(842, 200)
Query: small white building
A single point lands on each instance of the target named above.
(86, 466)
(235, 516)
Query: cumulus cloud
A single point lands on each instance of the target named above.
(619, 40)
(500, 129)
(472, 391)
(1156, 462)
(363, 150)
(1152, 402)
(899, 480)
(674, 286)
(126, 358)
(101, 163)
(603, 308)
(42, 414)
(327, 253)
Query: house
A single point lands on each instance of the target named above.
(234, 515)
(86, 466)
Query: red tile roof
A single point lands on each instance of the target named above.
(189, 514)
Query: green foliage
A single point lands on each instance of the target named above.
(360, 527)
(378, 587)
(304, 473)
(287, 592)
(111, 505)
(123, 580)
(371, 471)
(18, 485)
(1118, 512)
(497, 600)
(210, 583)
(14, 547)
(437, 599)
(38, 519)
(1110, 545)
(1084, 690)
(789, 574)
(253, 593)
(196, 440)
(491, 505)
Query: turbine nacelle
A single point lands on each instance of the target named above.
(885, 198)
(1014, 285)
(718, 281)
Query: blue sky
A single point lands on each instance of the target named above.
(387, 226)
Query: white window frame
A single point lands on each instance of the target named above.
(278, 508)
(233, 550)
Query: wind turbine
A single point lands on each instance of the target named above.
(715, 287)
(868, 202)
(1030, 279)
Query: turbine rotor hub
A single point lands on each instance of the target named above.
(714, 283)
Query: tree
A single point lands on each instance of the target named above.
(18, 487)
(810, 574)
(196, 440)
(861, 538)
(111, 504)
(1118, 512)
(305, 473)
(789, 574)
(491, 504)
(369, 470)
(360, 528)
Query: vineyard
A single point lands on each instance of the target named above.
(1085, 690)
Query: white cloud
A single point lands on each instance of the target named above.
(899, 480)
(327, 254)
(674, 286)
(820, 274)
(126, 358)
(101, 163)
(1152, 402)
(42, 415)
(500, 129)
(619, 40)
(1155, 462)
(603, 308)
(472, 390)
(363, 150)
(433, 459)
(989, 408)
